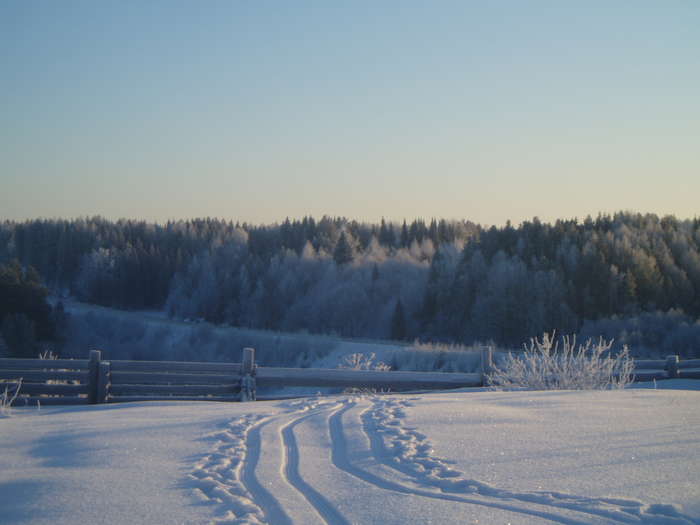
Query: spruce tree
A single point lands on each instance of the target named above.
(18, 333)
(343, 251)
(386, 234)
(404, 235)
(398, 323)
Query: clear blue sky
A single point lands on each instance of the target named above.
(258, 110)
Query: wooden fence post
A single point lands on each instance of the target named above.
(103, 380)
(248, 375)
(93, 375)
(672, 365)
(486, 363)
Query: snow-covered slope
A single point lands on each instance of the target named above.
(150, 335)
(462, 457)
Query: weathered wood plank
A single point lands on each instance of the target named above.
(647, 364)
(52, 390)
(176, 390)
(45, 401)
(43, 375)
(341, 378)
(123, 399)
(649, 375)
(689, 373)
(175, 367)
(689, 363)
(147, 378)
(43, 364)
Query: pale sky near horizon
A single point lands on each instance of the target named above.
(259, 110)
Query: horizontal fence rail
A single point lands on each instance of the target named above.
(46, 381)
(156, 378)
(43, 364)
(176, 367)
(92, 381)
(395, 381)
(670, 368)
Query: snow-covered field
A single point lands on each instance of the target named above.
(483, 457)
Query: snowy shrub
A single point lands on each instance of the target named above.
(545, 366)
(361, 361)
(8, 396)
(47, 353)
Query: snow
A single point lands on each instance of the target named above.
(485, 457)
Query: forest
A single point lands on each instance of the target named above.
(635, 277)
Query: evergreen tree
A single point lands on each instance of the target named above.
(398, 323)
(21, 293)
(386, 234)
(342, 254)
(19, 335)
(404, 235)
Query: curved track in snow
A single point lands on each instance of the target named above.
(325, 509)
(342, 461)
(260, 472)
(411, 453)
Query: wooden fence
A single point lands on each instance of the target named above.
(93, 381)
(669, 368)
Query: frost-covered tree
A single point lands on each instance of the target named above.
(343, 253)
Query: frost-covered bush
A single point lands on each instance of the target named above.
(545, 366)
(361, 361)
(8, 396)
(47, 353)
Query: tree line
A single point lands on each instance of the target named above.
(452, 281)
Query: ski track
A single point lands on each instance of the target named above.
(410, 452)
(273, 511)
(341, 460)
(323, 507)
(226, 476)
